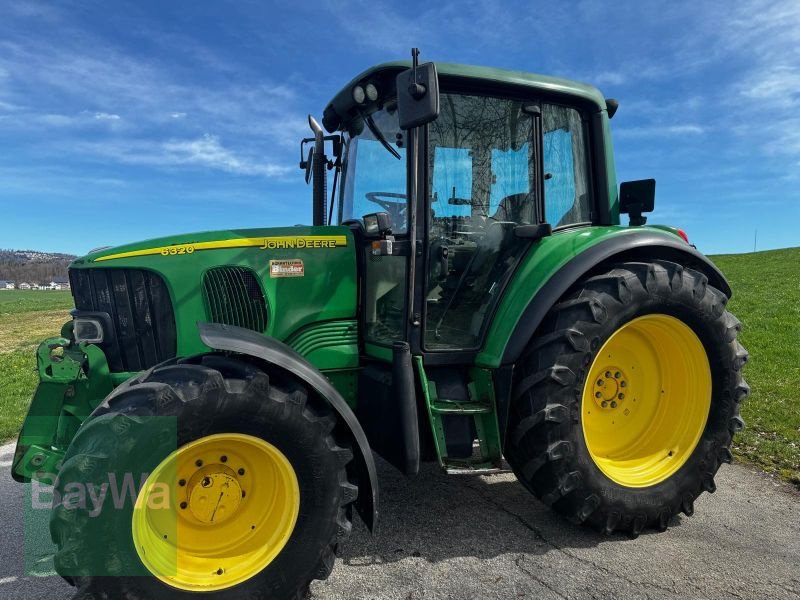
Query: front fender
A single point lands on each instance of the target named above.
(244, 341)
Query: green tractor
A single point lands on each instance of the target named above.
(466, 295)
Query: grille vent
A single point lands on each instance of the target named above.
(233, 296)
(140, 309)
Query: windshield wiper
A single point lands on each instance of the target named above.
(380, 137)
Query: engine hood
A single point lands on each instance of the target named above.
(276, 238)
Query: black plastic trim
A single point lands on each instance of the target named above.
(406, 400)
(278, 354)
(635, 246)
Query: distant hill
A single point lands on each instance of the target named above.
(33, 266)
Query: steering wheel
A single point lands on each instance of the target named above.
(393, 203)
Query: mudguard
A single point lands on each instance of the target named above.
(643, 246)
(278, 354)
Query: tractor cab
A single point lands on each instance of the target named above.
(449, 176)
(466, 191)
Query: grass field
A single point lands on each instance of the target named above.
(766, 299)
(26, 318)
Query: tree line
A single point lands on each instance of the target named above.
(32, 266)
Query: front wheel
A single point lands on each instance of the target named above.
(216, 479)
(625, 404)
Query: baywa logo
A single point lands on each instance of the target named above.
(117, 492)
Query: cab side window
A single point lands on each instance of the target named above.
(567, 193)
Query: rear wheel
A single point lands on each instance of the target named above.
(625, 404)
(238, 480)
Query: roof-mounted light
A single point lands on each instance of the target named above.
(359, 95)
(372, 92)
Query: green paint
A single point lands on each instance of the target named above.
(326, 291)
(328, 345)
(73, 380)
(543, 261)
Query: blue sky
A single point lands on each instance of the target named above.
(122, 121)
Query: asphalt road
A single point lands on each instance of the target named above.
(486, 537)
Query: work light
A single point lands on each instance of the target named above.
(87, 330)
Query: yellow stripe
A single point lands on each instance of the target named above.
(287, 242)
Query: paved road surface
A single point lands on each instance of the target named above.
(486, 537)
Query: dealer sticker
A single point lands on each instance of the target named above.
(286, 268)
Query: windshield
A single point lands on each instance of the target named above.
(375, 179)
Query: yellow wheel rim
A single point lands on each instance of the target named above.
(216, 512)
(646, 400)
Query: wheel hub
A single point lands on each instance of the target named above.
(236, 503)
(646, 400)
(214, 494)
(610, 388)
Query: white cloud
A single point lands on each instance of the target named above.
(103, 116)
(608, 78)
(682, 130)
(206, 151)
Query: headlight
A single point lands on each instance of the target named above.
(372, 92)
(87, 330)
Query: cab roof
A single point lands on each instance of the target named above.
(382, 75)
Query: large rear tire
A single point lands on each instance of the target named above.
(625, 403)
(241, 487)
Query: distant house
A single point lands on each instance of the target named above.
(6, 285)
(24, 286)
(58, 283)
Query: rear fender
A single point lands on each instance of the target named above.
(277, 354)
(647, 245)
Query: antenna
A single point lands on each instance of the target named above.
(415, 90)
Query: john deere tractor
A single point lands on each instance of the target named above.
(466, 295)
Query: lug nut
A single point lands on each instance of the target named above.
(241, 471)
(608, 373)
(198, 462)
(617, 375)
(223, 458)
(604, 404)
(598, 395)
(182, 482)
(600, 382)
(621, 396)
(613, 404)
(184, 505)
(622, 384)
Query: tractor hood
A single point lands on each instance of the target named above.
(275, 238)
(275, 281)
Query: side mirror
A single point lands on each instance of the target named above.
(637, 197)
(417, 94)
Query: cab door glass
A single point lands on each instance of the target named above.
(375, 181)
(567, 195)
(481, 175)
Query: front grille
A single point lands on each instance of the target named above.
(233, 296)
(140, 308)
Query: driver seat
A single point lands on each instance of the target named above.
(516, 208)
